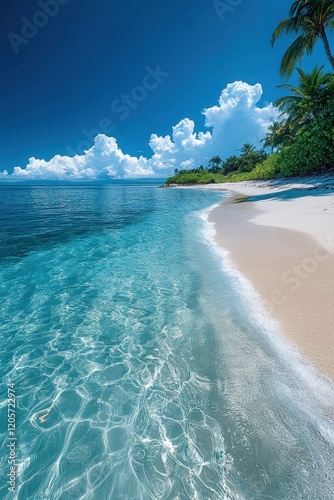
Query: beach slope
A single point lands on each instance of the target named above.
(280, 235)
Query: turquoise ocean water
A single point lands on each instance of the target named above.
(142, 368)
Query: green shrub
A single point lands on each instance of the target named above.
(199, 177)
(313, 147)
(265, 170)
(269, 169)
(312, 151)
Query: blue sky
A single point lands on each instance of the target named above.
(65, 78)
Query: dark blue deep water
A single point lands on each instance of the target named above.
(141, 370)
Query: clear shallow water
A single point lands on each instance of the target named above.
(141, 371)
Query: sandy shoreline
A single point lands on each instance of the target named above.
(282, 240)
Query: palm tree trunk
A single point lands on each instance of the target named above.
(327, 47)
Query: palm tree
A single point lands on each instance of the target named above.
(309, 19)
(215, 162)
(306, 93)
(270, 140)
(279, 134)
(247, 149)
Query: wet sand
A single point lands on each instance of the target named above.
(280, 235)
(292, 271)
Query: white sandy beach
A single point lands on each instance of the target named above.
(282, 240)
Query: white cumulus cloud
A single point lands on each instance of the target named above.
(235, 120)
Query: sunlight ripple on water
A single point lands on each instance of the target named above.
(139, 372)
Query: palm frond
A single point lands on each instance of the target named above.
(294, 53)
(290, 88)
(321, 11)
(309, 20)
(286, 101)
(286, 26)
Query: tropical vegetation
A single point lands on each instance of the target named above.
(301, 141)
(310, 20)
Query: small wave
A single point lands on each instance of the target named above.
(308, 385)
